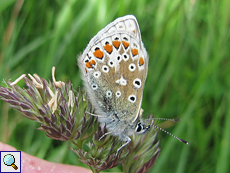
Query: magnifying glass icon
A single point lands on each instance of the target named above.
(9, 160)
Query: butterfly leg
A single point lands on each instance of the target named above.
(99, 116)
(105, 135)
(111, 132)
(127, 139)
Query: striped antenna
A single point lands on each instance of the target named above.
(166, 119)
(163, 130)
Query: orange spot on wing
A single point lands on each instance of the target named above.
(116, 43)
(85, 70)
(141, 61)
(98, 53)
(88, 65)
(125, 43)
(134, 51)
(92, 62)
(108, 48)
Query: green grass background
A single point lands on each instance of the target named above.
(188, 78)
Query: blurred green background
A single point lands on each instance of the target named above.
(189, 71)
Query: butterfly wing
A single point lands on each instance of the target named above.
(114, 69)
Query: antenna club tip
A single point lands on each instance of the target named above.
(185, 142)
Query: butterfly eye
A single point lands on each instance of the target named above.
(139, 128)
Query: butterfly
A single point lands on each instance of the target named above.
(114, 68)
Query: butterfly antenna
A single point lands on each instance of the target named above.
(163, 130)
(166, 119)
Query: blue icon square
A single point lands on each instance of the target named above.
(10, 161)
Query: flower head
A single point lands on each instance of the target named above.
(61, 112)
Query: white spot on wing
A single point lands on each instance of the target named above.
(132, 67)
(125, 56)
(105, 68)
(132, 98)
(137, 83)
(111, 63)
(121, 81)
(97, 74)
(118, 93)
(94, 86)
(109, 93)
(120, 26)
